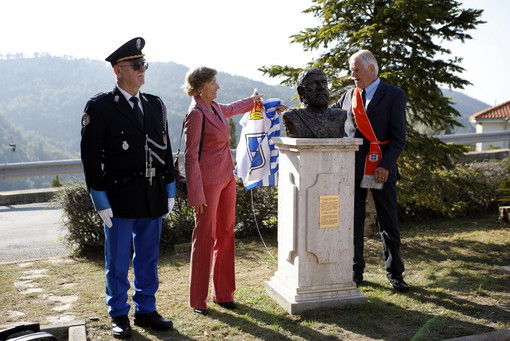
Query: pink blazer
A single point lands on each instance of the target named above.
(216, 163)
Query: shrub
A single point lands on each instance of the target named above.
(178, 227)
(464, 190)
(84, 227)
(82, 224)
(257, 207)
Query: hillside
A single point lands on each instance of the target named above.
(466, 106)
(43, 99)
(45, 96)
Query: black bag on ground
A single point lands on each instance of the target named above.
(26, 332)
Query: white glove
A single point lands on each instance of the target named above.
(106, 215)
(171, 203)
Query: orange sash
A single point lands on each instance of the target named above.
(374, 155)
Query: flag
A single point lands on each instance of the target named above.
(256, 154)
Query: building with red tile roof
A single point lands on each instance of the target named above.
(496, 118)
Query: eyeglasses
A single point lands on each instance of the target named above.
(137, 66)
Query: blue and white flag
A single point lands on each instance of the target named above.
(256, 154)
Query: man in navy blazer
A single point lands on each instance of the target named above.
(385, 107)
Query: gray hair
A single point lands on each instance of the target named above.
(367, 58)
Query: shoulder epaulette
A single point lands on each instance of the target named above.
(98, 96)
(149, 95)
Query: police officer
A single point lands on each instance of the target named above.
(127, 160)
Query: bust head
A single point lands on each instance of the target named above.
(312, 87)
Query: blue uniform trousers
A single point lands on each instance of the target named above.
(144, 235)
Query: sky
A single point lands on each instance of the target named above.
(233, 36)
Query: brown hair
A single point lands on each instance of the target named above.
(195, 79)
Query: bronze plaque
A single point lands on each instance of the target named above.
(329, 215)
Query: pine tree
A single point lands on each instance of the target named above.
(405, 36)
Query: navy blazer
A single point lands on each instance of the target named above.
(387, 114)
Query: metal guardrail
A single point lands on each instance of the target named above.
(43, 168)
(476, 137)
(74, 166)
(40, 168)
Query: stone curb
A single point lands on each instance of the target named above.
(27, 196)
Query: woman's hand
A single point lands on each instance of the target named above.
(199, 209)
(255, 97)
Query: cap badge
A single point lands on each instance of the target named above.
(85, 119)
(125, 145)
(139, 44)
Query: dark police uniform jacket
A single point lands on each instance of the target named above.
(116, 152)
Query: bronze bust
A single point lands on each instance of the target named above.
(315, 119)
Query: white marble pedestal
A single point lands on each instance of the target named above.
(315, 222)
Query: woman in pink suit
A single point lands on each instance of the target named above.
(211, 189)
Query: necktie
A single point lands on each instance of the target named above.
(364, 97)
(136, 110)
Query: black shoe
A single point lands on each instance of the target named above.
(399, 285)
(357, 278)
(201, 311)
(121, 329)
(227, 305)
(153, 320)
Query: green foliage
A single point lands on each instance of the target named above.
(505, 188)
(256, 207)
(84, 227)
(82, 224)
(55, 182)
(178, 227)
(492, 147)
(464, 190)
(504, 192)
(405, 37)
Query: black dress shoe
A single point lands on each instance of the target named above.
(227, 305)
(153, 320)
(121, 329)
(201, 311)
(357, 278)
(399, 285)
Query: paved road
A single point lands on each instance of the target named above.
(30, 231)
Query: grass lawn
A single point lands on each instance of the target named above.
(451, 266)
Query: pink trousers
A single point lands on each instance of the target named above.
(213, 246)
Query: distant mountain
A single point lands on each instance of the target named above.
(46, 96)
(43, 98)
(466, 106)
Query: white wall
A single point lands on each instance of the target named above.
(490, 125)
